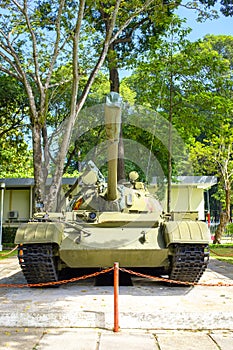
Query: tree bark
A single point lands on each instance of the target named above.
(228, 199)
(36, 137)
(114, 79)
(224, 216)
(221, 228)
(169, 164)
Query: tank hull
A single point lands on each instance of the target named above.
(175, 247)
(104, 246)
(105, 258)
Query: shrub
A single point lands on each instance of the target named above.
(8, 234)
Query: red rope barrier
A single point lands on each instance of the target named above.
(47, 284)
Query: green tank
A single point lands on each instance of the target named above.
(108, 222)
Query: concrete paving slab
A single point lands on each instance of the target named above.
(19, 338)
(123, 340)
(99, 339)
(146, 305)
(69, 339)
(224, 339)
(170, 340)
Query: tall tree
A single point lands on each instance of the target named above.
(158, 83)
(201, 85)
(213, 152)
(38, 37)
(216, 156)
(35, 39)
(128, 45)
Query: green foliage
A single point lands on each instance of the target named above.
(16, 161)
(212, 152)
(229, 230)
(8, 234)
(157, 83)
(55, 50)
(128, 95)
(15, 157)
(226, 6)
(200, 79)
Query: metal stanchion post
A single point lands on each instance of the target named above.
(2, 187)
(116, 293)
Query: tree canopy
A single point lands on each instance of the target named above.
(15, 157)
(55, 51)
(39, 38)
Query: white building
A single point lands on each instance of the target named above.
(187, 195)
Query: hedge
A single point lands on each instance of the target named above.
(8, 234)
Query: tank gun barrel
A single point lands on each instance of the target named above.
(112, 112)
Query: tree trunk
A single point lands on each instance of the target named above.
(37, 163)
(221, 228)
(45, 168)
(52, 196)
(114, 79)
(228, 199)
(169, 165)
(224, 216)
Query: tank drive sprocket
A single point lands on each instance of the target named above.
(38, 262)
(188, 262)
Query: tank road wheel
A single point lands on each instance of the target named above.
(38, 262)
(188, 262)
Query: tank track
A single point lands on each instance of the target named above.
(188, 262)
(38, 262)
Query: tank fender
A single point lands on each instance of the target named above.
(185, 232)
(40, 232)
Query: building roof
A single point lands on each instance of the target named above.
(203, 182)
(28, 182)
(197, 181)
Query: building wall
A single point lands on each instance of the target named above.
(185, 199)
(17, 200)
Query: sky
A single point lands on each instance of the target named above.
(223, 25)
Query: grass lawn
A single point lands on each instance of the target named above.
(6, 253)
(223, 252)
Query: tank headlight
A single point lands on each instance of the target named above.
(92, 216)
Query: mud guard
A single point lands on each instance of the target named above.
(39, 232)
(186, 232)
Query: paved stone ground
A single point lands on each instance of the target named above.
(146, 304)
(99, 339)
(152, 315)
